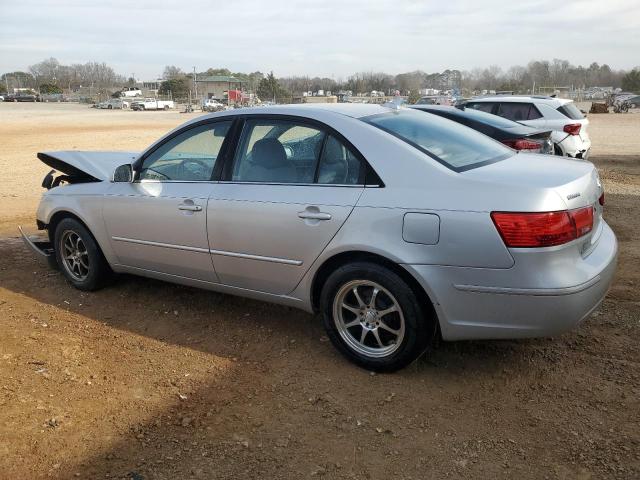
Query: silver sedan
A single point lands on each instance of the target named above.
(398, 226)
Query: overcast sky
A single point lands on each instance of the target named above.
(319, 37)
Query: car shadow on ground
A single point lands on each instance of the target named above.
(281, 402)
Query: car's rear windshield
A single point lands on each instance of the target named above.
(458, 147)
(570, 110)
(486, 118)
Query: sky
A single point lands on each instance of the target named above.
(333, 38)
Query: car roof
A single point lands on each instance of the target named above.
(354, 110)
(521, 98)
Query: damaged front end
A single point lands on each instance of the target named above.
(68, 174)
(41, 246)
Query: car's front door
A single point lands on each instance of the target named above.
(159, 222)
(289, 189)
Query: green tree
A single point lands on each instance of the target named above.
(414, 96)
(269, 89)
(631, 81)
(48, 88)
(178, 87)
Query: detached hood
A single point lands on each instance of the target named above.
(98, 165)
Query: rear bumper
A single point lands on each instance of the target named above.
(519, 302)
(575, 146)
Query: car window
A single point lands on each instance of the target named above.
(571, 111)
(518, 111)
(482, 106)
(454, 145)
(189, 156)
(277, 151)
(338, 165)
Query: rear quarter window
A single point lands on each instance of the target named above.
(569, 110)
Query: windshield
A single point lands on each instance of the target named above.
(458, 147)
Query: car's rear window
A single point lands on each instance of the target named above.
(455, 146)
(488, 118)
(571, 111)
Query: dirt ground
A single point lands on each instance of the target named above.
(147, 380)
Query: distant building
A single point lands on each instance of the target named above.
(218, 86)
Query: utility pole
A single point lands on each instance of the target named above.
(195, 82)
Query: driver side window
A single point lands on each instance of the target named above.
(189, 156)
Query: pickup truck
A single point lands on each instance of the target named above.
(152, 104)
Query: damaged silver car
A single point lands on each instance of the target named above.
(398, 226)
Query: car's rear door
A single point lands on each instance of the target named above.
(159, 222)
(289, 188)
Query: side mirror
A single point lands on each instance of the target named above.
(123, 174)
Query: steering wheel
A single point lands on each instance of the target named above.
(200, 172)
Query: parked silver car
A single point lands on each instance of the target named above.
(398, 226)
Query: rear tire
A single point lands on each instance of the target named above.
(79, 257)
(557, 151)
(374, 318)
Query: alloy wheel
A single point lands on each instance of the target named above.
(75, 256)
(368, 318)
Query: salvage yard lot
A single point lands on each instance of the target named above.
(150, 380)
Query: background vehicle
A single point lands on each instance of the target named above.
(434, 100)
(513, 134)
(152, 104)
(392, 223)
(114, 103)
(212, 105)
(621, 106)
(567, 122)
(131, 92)
(21, 97)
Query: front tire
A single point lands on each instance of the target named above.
(374, 318)
(79, 257)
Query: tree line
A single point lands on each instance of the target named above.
(50, 76)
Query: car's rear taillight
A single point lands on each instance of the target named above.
(542, 229)
(572, 128)
(523, 144)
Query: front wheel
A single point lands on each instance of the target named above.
(79, 256)
(374, 318)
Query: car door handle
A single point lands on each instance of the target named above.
(190, 208)
(314, 215)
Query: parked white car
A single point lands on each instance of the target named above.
(212, 105)
(567, 122)
(113, 103)
(152, 104)
(131, 92)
